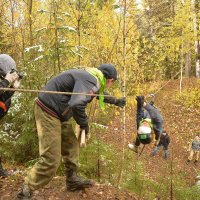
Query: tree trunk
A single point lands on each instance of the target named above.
(196, 31)
(13, 28)
(56, 43)
(30, 4)
(187, 64)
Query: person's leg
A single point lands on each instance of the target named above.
(190, 157)
(196, 157)
(139, 116)
(70, 153)
(153, 153)
(166, 154)
(157, 127)
(49, 136)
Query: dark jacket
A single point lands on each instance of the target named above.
(5, 98)
(67, 106)
(164, 141)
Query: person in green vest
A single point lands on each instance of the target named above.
(148, 120)
(56, 136)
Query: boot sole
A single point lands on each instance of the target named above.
(79, 187)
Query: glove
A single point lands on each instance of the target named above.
(86, 128)
(11, 77)
(140, 101)
(121, 102)
(17, 84)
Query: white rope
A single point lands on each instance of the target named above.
(167, 82)
(49, 92)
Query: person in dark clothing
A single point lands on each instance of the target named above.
(56, 136)
(9, 78)
(148, 120)
(164, 142)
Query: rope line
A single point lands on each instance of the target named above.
(167, 82)
(50, 92)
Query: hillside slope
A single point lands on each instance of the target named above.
(179, 122)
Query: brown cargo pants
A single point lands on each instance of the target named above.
(56, 139)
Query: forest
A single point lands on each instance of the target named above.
(154, 45)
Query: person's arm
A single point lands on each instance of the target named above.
(157, 133)
(78, 103)
(4, 84)
(121, 102)
(5, 94)
(9, 79)
(190, 146)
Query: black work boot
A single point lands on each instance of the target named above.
(74, 182)
(2, 171)
(140, 101)
(24, 194)
(196, 162)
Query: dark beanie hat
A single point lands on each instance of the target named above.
(109, 71)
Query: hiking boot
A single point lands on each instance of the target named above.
(188, 161)
(196, 162)
(3, 173)
(133, 147)
(74, 182)
(24, 194)
(152, 154)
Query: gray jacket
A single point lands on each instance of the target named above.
(67, 106)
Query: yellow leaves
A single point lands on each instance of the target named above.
(16, 15)
(117, 113)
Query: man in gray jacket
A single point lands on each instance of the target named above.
(55, 133)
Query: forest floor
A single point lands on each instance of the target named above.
(179, 122)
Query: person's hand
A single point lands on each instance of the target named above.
(17, 84)
(121, 102)
(86, 128)
(11, 77)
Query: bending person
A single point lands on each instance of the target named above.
(56, 136)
